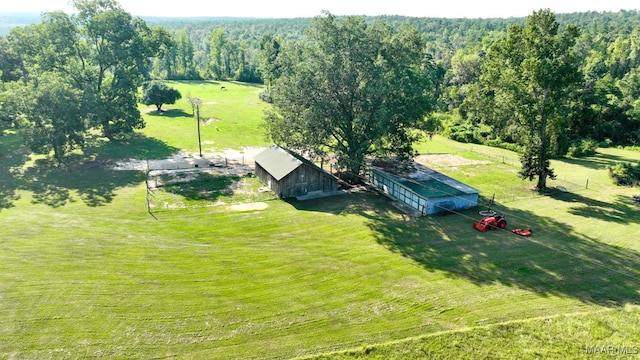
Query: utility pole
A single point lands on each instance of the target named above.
(198, 102)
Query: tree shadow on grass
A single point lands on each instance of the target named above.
(200, 185)
(356, 203)
(9, 176)
(87, 175)
(198, 82)
(132, 146)
(598, 161)
(621, 210)
(556, 260)
(171, 113)
(54, 186)
(245, 84)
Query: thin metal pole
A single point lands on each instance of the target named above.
(198, 120)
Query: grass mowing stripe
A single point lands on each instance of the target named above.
(517, 339)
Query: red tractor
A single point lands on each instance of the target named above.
(490, 222)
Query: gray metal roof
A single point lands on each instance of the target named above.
(277, 161)
(428, 182)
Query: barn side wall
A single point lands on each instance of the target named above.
(268, 180)
(426, 206)
(306, 179)
(301, 181)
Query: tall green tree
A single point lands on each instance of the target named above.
(10, 63)
(102, 52)
(352, 89)
(528, 79)
(232, 59)
(118, 53)
(269, 64)
(54, 111)
(178, 62)
(156, 93)
(219, 54)
(465, 71)
(160, 42)
(184, 59)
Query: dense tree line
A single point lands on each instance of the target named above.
(603, 108)
(220, 49)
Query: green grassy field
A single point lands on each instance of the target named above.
(86, 271)
(600, 335)
(230, 117)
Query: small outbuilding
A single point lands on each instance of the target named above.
(423, 189)
(289, 174)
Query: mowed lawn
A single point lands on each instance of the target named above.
(231, 117)
(86, 271)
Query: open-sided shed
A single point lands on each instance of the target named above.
(425, 190)
(288, 174)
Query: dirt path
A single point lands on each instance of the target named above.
(445, 160)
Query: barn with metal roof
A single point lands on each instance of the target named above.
(288, 174)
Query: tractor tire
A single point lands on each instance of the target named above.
(502, 224)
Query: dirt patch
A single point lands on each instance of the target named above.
(240, 187)
(229, 160)
(445, 160)
(159, 178)
(211, 120)
(248, 152)
(166, 205)
(250, 206)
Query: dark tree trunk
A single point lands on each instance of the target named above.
(542, 156)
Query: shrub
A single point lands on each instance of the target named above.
(625, 174)
(157, 93)
(265, 96)
(583, 148)
(433, 124)
(631, 148)
(606, 143)
(459, 130)
(500, 143)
